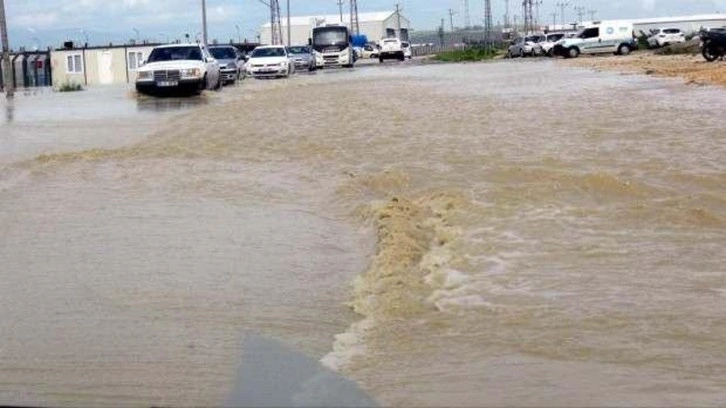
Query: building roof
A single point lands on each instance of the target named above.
(335, 18)
(680, 19)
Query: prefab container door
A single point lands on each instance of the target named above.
(105, 67)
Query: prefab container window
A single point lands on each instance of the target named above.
(135, 59)
(74, 63)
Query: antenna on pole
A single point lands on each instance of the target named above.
(354, 22)
(451, 19)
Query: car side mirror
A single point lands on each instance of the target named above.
(246, 58)
(142, 63)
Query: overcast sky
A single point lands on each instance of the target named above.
(49, 22)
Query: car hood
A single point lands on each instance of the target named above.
(267, 60)
(183, 64)
(225, 62)
(302, 56)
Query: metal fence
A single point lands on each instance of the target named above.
(29, 70)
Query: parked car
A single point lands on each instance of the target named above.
(598, 38)
(302, 57)
(231, 62)
(407, 53)
(547, 45)
(524, 46)
(186, 67)
(391, 48)
(270, 62)
(515, 49)
(370, 51)
(665, 36)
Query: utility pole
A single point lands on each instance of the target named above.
(506, 13)
(527, 6)
(537, 23)
(340, 8)
(563, 5)
(467, 16)
(580, 13)
(442, 33)
(8, 79)
(275, 23)
(592, 14)
(488, 22)
(204, 22)
(398, 19)
(554, 21)
(354, 23)
(289, 25)
(451, 19)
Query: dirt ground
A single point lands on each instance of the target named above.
(693, 69)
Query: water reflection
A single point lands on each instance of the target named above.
(9, 110)
(167, 104)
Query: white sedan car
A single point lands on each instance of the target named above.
(186, 67)
(270, 62)
(666, 36)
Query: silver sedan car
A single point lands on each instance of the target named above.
(302, 56)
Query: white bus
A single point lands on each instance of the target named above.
(332, 46)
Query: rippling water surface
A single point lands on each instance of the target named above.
(485, 234)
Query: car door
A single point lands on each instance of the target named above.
(212, 67)
(591, 41)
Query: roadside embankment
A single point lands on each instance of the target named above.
(693, 69)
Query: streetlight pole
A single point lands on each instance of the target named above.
(204, 22)
(7, 80)
(239, 35)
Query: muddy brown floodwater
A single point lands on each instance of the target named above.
(512, 233)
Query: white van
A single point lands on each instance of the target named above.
(597, 38)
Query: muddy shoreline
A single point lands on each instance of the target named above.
(692, 69)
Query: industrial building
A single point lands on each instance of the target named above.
(373, 25)
(687, 24)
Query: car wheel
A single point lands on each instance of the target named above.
(573, 52)
(380, 60)
(623, 50)
(551, 52)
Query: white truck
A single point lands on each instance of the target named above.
(597, 38)
(391, 48)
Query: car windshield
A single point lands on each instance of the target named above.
(298, 50)
(223, 53)
(555, 37)
(175, 54)
(268, 52)
(671, 31)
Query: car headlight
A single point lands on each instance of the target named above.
(144, 75)
(191, 73)
(283, 64)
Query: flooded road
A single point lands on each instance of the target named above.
(473, 235)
